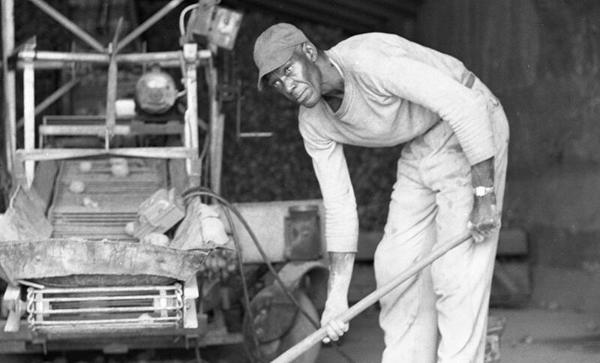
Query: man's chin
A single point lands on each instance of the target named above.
(310, 103)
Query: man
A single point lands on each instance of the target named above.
(378, 90)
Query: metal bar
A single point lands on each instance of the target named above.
(132, 309)
(52, 56)
(190, 131)
(69, 25)
(111, 87)
(144, 152)
(156, 152)
(59, 59)
(104, 321)
(315, 338)
(9, 84)
(105, 298)
(89, 130)
(148, 23)
(58, 65)
(29, 113)
(131, 289)
(203, 54)
(217, 126)
(52, 98)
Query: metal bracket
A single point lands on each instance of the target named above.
(13, 307)
(190, 294)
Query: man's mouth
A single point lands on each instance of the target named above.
(300, 96)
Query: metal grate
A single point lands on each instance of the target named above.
(93, 309)
(117, 198)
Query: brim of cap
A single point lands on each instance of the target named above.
(277, 60)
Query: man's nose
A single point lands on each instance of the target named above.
(289, 84)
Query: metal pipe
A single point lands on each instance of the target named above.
(9, 83)
(148, 23)
(69, 25)
(51, 56)
(105, 321)
(110, 310)
(29, 114)
(95, 130)
(190, 131)
(176, 152)
(107, 298)
(111, 87)
(217, 126)
(64, 58)
(71, 290)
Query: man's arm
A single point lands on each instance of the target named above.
(484, 216)
(341, 222)
(483, 173)
(341, 265)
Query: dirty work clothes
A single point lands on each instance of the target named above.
(394, 91)
(430, 204)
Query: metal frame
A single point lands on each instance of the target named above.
(21, 162)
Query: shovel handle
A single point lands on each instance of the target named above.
(316, 337)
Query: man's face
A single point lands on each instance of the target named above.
(298, 79)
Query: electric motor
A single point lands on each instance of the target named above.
(155, 91)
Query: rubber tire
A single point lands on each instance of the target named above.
(301, 329)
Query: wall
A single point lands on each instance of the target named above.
(542, 58)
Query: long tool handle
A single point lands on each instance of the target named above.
(316, 337)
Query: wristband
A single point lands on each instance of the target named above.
(481, 191)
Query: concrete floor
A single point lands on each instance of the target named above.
(531, 336)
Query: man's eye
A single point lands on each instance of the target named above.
(287, 70)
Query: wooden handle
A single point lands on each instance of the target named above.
(316, 337)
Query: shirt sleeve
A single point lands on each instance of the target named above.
(463, 108)
(341, 217)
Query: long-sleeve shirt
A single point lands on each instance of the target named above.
(394, 91)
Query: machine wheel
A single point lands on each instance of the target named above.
(301, 329)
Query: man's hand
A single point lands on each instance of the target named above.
(484, 217)
(335, 328)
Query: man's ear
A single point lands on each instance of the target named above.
(310, 51)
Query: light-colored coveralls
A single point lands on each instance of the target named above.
(396, 91)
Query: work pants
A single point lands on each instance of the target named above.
(441, 314)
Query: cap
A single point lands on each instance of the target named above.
(274, 47)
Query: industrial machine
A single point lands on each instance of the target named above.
(89, 189)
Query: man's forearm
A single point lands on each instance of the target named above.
(482, 173)
(341, 265)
